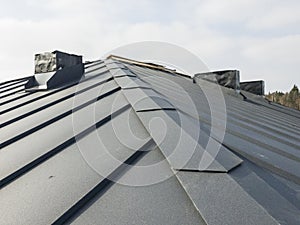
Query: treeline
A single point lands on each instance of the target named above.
(290, 99)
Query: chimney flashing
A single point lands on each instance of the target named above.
(226, 78)
(55, 69)
(254, 87)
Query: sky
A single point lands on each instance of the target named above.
(261, 38)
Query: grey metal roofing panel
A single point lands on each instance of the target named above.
(4, 86)
(10, 87)
(284, 162)
(227, 202)
(29, 97)
(272, 105)
(42, 98)
(92, 64)
(40, 116)
(12, 98)
(122, 115)
(265, 132)
(104, 150)
(40, 196)
(103, 185)
(288, 138)
(52, 135)
(180, 92)
(8, 82)
(57, 169)
(245, 111)
(122, 72)
(126, 82)
(11, 92)
(143, 99)
(279, 164)
(58, 132)
(266, 115)
(95, 70)
(274, 193)
(270, 143)
(162, 203)
(186, 153)
(114, 65)
(262, 128)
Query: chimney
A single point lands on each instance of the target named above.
(55, 69)
(226, 78)
(254, 87)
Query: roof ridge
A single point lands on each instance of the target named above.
(141, 96)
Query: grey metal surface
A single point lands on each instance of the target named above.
(10, 92)
(243, 115)
(40, 196)
(127, 82)
(254, 87)
(9, 87)
(42, 116)
(146, 99)
(274, 129)
(227, 78)
(276, 194)
(29, 148)
(183, 151)
(161, 203)
(42, 98)
(12, 82)
(227, 202)
(119, 72)
(48, 175)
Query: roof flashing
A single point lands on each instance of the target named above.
(226, 78)
(254, 87)
(55, 69)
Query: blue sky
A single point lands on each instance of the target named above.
(261, 38)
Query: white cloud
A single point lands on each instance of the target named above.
(230, 11)
(280, 16)
(250, 35)
(282, 49)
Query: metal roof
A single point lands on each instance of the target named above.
(81, 153)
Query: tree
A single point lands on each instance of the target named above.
(295, 89)
(290, 99)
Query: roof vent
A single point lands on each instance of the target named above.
(254, 87)
(226, 78)
(55, 69)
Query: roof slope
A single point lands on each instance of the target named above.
(67, 154)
